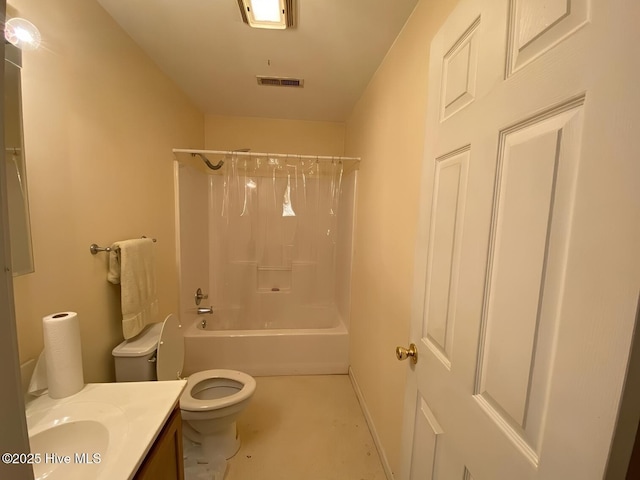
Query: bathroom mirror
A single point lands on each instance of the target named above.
(14, 155)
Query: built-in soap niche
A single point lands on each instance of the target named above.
(274, 279)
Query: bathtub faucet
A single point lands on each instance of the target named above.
(203, 310)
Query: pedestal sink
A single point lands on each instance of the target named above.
(76, 441)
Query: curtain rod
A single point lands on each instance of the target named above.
(262, 154)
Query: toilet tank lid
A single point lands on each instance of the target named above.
(142, 344)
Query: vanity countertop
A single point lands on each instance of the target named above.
(133, 413)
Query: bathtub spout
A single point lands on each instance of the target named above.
(203, 310)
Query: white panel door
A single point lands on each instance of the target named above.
(528, 256)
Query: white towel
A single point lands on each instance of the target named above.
(132, 265)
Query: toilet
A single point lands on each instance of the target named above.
(212, 399)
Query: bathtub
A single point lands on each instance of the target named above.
(272, 349)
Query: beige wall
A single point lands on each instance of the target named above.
(386, 129)
(100, 120)
(274, 135)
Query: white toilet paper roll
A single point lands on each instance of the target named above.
(63, 354)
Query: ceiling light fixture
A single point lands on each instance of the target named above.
(22, 33)
(273, 14)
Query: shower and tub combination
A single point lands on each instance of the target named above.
(267, 238)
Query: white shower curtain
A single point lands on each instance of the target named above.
(274, 222)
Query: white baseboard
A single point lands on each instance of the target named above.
(372, 428)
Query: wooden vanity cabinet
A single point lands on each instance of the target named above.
(164, 460)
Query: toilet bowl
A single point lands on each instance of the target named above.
(210, 404)
(212, 399)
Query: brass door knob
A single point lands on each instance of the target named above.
(402, 353)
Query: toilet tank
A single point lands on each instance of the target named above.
(135, 359)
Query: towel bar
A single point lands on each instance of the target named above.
(94, 248)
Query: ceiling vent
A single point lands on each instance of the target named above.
(280, 81)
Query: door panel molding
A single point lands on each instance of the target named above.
(459, 68)
(449, 194)
(536, 26)
(533, 197)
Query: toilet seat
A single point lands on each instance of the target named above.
(169, 363)
(170, 353)
(189, 403)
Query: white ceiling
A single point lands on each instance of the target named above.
(204, 46)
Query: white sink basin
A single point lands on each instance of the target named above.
(102, 432)
(78, 440)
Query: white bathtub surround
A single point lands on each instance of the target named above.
(277, 351)
(269, 239)
(308, 427)
(274, 225)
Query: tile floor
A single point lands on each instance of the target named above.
(305, 427)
